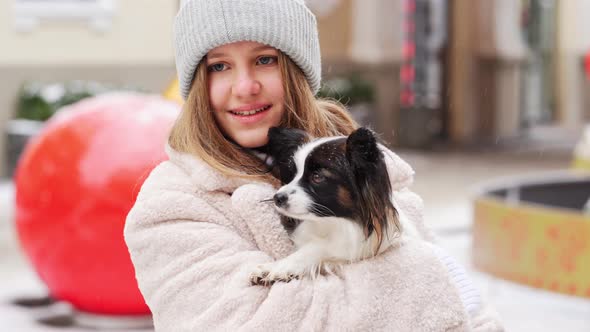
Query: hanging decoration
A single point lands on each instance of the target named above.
(425, 36)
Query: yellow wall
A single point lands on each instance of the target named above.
(140, 34)
(574, 26)
(573, 40)
(335, 32)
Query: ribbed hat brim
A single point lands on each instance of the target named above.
(287, 25)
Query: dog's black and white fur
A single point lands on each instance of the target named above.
(336, 202)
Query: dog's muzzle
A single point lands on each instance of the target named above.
(281, 199)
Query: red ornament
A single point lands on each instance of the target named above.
(75, 183)
(587, 65)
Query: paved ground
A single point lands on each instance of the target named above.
(444, 180)
(447, 182)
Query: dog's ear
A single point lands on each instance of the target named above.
(372, 181)
(361, 149)
(282, 144)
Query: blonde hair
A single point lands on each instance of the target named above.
(196, 132)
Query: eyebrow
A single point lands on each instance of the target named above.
(253, 50)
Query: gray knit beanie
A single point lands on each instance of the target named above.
(287, 25)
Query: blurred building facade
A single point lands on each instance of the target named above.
(459, 71)
(500, 68)
(115, 42)
(517, 65)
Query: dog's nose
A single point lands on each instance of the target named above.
(280, 199)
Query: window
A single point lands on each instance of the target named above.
(29, 14)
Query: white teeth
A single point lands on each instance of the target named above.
(252, 112)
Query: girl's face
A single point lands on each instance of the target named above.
(245, 91)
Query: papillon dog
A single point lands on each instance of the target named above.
(336, 202)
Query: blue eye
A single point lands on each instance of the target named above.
(266, 60)
(217, 67)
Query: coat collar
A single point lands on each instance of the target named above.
(202, 175)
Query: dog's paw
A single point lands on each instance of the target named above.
(257, 276)
(268, 274)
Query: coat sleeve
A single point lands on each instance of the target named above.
(483, 316)
(193, 274)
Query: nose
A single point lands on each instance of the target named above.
(246, 85)
(280, 199)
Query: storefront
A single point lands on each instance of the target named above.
(516, 66)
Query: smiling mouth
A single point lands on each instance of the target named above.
(251, 112)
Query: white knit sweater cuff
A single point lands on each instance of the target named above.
(468, 293)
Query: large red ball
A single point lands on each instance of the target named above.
(75, 183)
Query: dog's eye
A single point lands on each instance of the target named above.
(317, 177)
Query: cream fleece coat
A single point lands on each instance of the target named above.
(194, 236)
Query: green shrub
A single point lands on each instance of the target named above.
(348, 90)
(37, 101)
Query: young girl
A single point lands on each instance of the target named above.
(199, 228)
